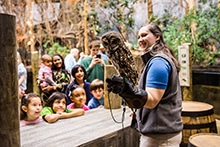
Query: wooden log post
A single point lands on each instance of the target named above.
(35, 69)
(9, 117)
(111, 100)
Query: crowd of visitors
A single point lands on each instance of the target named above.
(158, 116)
(64, 85)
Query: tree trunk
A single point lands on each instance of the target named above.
(29, 18)
(86, 38)
(150, 9)
(219, 8)
(191, 5)
(9, 120)
(122, 26)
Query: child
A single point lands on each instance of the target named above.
(45, 72)
(97, 89)
(30, 109)
(56, 109)
(78, 96)
(22, 76)
(79, 74)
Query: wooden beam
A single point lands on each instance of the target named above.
(9, 120)
(35, 69)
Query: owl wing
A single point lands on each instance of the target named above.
(120, 56)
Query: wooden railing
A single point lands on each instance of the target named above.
(95, 128)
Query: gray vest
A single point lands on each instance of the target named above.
(166, 116)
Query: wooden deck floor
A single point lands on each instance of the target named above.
(76, 131)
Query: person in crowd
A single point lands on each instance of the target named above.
(97, 90)
(102, 52)
(94, 64)
(45, 72)
(56, 108)
(60, 76)
(78, 97)
(71, 59)
(30, 109)
(78, 72)
(22, 76)
(158, 115)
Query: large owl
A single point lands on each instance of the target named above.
(120, 56)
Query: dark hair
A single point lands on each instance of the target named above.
(95, 43)
(55, 67)
(25, 100)
(72, 88)
(96, 84)
(21, 56)
(160, 45)
(75, 70)
(53, 97)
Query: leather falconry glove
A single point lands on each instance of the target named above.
(134, 97)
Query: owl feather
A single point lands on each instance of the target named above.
(120, 56)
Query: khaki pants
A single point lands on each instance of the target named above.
(161, 140)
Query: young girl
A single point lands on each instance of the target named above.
(45, 71)
(78, 72)
(56, 109)
(30, 109)
(78, 96)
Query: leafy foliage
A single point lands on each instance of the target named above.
(205, 43)
(55, 48)
(120, 16)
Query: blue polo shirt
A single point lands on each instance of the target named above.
(158, 73)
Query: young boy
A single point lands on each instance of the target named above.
(45, 72)
(97, 89)
(94, 64)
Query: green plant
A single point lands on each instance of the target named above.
(115, 15)
(205, 43)
(52, 48)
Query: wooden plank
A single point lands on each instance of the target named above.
(96, 123)
(127, 137)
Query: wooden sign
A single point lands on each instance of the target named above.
(183, 56)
